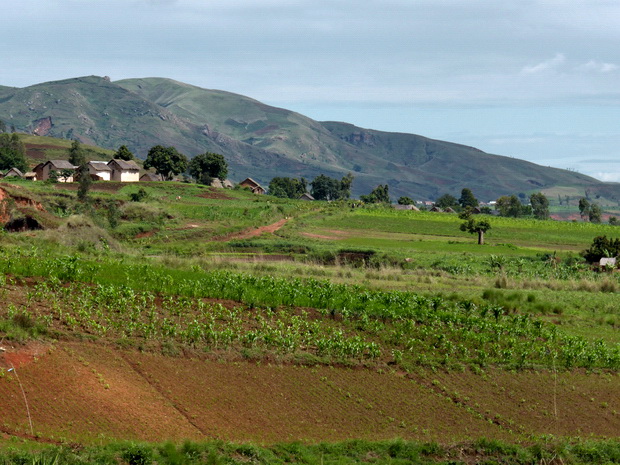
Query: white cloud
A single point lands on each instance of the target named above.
(552, 64)
(597, 66)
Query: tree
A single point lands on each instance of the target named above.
(77, 156)
(84, 183)
(2, 126)
(206, 166)
(405, 201)
(584, 208)
(467, 199)
(613, 221)
(595, 213)
(509, 206)
(167, 161)
(379, 194)
(287, 187)
(326, 188)
(12, 153)
(474, 226)
(123, 153)
(540, 206)
(602, 247)
(446, 201)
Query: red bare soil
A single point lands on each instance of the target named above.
(249, 233)
(85, 391)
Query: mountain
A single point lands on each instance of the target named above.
(262, 141)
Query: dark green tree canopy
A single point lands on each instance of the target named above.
(326, 188)
(510, 206)
(405, 201)
(446, 201)
(602, 247)
(467, 199)
(167, 161)
(474, 226)
(77, 156)
(595, 213)
(379, 194)
(287, 187)
(123, 153)
(540, 206)
(584, 207)
(206, 166)
(12, 153)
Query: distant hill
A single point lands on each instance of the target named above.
(262, 141)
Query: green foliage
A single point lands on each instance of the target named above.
(467, 199)
(139, 196)
(540, 206)
(474, 226)
(167, 161)
(510, 206)
(123, 153)
(206, 166)
(595, 213)
(602, 247)
(379, 194)
(77, 156)
(613, 221)
(284, 187)
(405, 201)
(584, 207)
(12, 153)
(84, 182)
(326, 188)
(446, 201)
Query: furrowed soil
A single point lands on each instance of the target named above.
(86, 391)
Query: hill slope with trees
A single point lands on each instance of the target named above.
(264, 141)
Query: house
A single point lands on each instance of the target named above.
(14, 173)
(436, 209)
(30, 176)
(406, 207)
(217, 183)
(43, 170)
(124, 171)
(228, 184)
(255, 187)
(99, 170)
(449, 210)
(306, 196)
(150, 177)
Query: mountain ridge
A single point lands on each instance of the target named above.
(263, 141)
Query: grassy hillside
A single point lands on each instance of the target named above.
(263, 141)
(203, 314)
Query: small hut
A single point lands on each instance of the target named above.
(255, 187)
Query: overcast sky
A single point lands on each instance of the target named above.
(532, 79)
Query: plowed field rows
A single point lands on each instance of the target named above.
(86, 392)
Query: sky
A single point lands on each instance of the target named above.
(532, 79)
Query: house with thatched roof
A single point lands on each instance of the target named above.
(449, 210)
(30, 176)
(150, 177)
(124, 171)
(255, 187)
(436, 209)
(99, 170)
(59, 167)
(306, 196)
(406, 207)
(227, 183)
(217, 183)
(14, 173)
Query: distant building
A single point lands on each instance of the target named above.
(14, 173)
(150, 177)
(255, 187)
(99, 170)
(124, 171)
(406, 207)
(306, 196)
(43, 170)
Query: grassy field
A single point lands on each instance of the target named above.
(300, 321)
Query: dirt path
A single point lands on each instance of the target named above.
(249, 233)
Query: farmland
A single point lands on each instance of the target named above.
(184, 317)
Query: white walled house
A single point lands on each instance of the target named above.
(124, 171)
(100, 170)
(43, 170)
